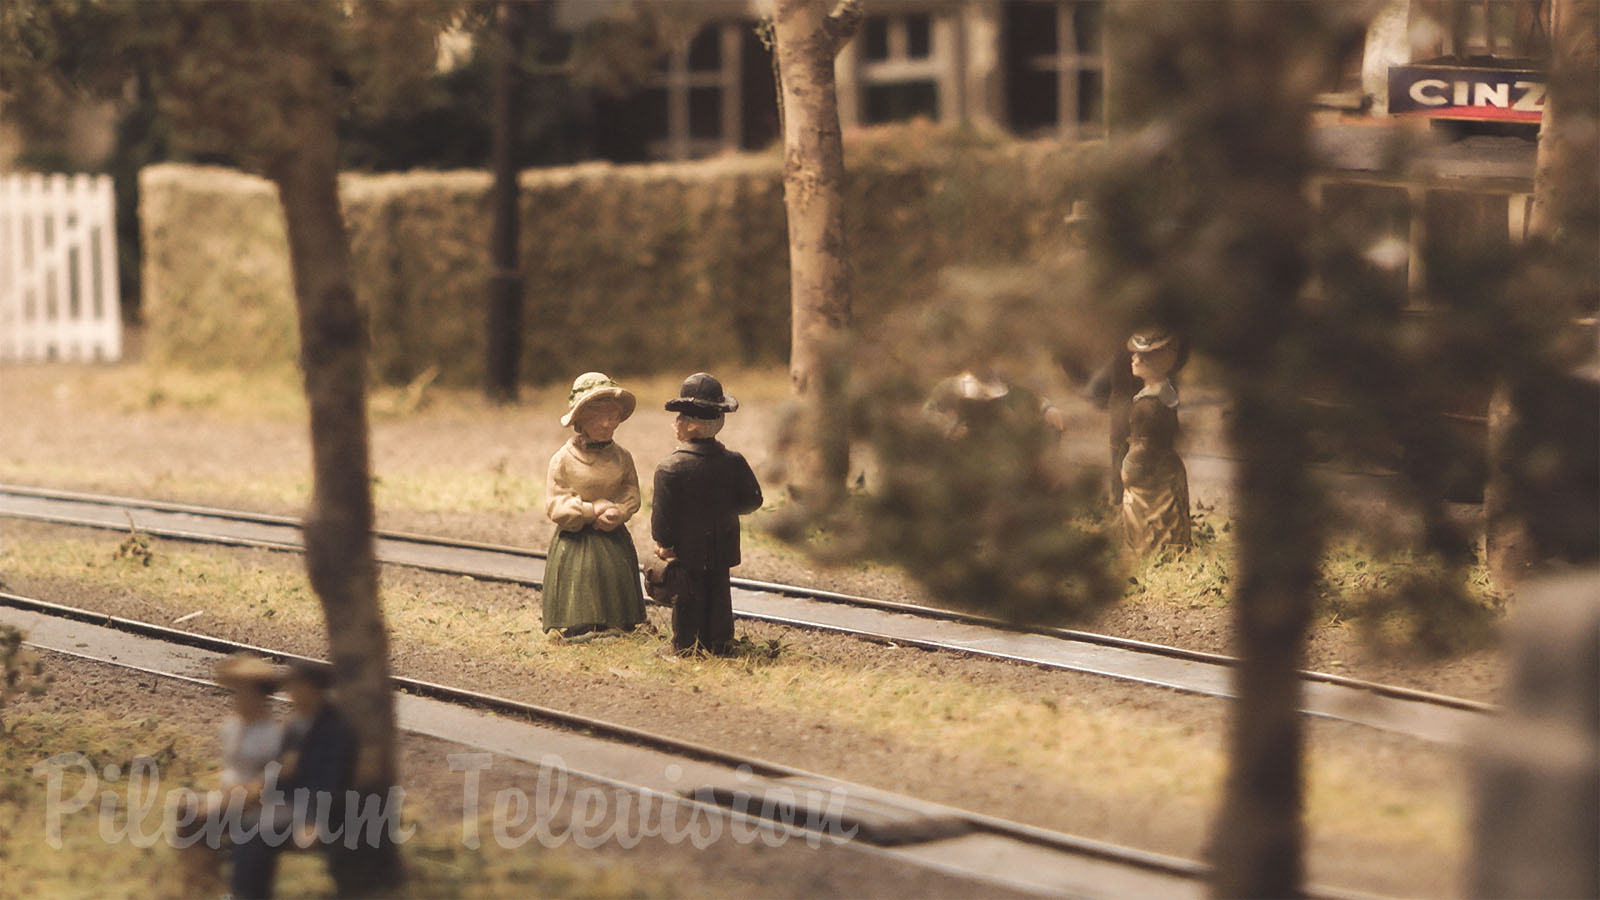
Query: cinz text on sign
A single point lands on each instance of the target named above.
(1460, 92)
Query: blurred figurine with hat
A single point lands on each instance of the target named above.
(982, 399)
(251, 739)
(314, 786)
(701, 490)
(591, 491)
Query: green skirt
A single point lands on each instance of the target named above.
(592, 578)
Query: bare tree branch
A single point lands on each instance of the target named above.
(842, 23)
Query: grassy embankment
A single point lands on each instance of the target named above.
(98, 852)
(1065, 743)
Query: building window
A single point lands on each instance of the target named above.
(900, 101)
(1055, 67)
(696, 96)
(900, 66)
(1414, 239)
(1377, 221)
(714, 93)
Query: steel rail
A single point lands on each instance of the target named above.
(761, 587)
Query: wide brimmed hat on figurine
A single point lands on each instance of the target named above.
(592, 386)
(243, 669)
(980, 387)
(1150, 341)
(702, 397)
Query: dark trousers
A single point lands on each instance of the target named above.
(703, 612)
(254, 866)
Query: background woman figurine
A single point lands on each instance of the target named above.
(1155, 485)
(591, 578)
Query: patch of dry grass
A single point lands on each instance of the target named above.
(97, 851)
(1404, 601)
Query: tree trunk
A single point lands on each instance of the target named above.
(1508, 549)
(1566, 187)
(807, 38)
(1118, 405)
(338, 526)
(1257, 843)
(1566, 207)
(1258, 839)
(504, 335)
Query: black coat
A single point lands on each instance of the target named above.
(701, 490)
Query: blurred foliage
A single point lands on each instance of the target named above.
(219, 100)
(1198, 219)
(225, 94)
(1407, 604)
(1200, 223)
(21, 670)
(1404, 602)
(400, 112)
(973, 498)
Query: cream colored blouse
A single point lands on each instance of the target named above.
(580, 475)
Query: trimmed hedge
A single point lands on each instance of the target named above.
(627, 269)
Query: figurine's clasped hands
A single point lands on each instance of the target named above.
(607, 515)
(666, 553)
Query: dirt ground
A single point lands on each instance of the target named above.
(452, 465)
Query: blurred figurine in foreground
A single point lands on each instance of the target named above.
(1155, 485)
(251, 738)
(592, 574)
(701, 490)
(318, 769)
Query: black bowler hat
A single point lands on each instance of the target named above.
(317, 674)
(702, 397)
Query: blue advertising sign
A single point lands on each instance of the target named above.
(1465, 92)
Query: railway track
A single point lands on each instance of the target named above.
(1421, 714)
(765, 796)
(769, 797)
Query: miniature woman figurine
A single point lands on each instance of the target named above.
(1155, 485)
(591, 577)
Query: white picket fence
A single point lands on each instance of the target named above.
(58, 269)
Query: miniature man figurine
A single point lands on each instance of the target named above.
(701, 490)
